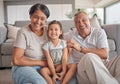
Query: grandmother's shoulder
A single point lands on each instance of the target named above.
(25, 28)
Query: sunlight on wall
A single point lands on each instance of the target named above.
(21, 12)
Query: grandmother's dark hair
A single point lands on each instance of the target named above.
(39, 6)
(57, 22)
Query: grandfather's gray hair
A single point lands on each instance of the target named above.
(80, 13)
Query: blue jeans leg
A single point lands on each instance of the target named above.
(27, 75)
(73, 80)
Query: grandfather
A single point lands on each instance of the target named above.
(90, 52)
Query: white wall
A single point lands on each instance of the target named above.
(21, 12)
(82, 4)
(1, 13)
(59, 11)
(93, 3)
(17, 12)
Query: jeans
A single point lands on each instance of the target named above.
(27, 75)
(30, 75)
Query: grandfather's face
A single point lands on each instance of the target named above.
(82, 24)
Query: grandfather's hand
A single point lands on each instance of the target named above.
(71, 43)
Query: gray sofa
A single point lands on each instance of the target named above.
(113, 33)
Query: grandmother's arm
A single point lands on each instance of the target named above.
(20, 60)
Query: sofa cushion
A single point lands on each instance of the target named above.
(10, 40)
(21, 23)
(6, 60)
(6, 48)
(94, 22)
(3, 34)
(111, 43)
(12, 31)
(112, 54)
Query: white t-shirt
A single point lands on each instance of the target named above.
(96, 39)
(30, 42)
(56, 52)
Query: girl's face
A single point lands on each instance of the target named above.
(54, 31)
(38, 19)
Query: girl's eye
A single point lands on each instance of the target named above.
(56, 29)
(51, 29)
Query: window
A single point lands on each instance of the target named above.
(98, 11)
(113, 14)
(17, 12)
(21, 12)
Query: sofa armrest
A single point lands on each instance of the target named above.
(113, 32)
(3, 34)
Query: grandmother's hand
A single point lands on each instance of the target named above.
(73, 44)
(43, 63)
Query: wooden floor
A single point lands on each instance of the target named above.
(5, 76)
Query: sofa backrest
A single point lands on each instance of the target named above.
(113, 32)
(21, 23)
(66, 24)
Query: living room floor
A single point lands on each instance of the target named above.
(5, 76)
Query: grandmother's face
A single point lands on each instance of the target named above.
(82, 24)
(38, 19)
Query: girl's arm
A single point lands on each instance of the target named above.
(64, 59)
(51, 65)
(69, 52)
(50, 62)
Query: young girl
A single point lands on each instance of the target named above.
(56, 53)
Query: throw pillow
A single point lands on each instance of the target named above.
(94, 22)
(12, 31)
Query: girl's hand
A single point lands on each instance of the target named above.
(55, 78)
(61, 75)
